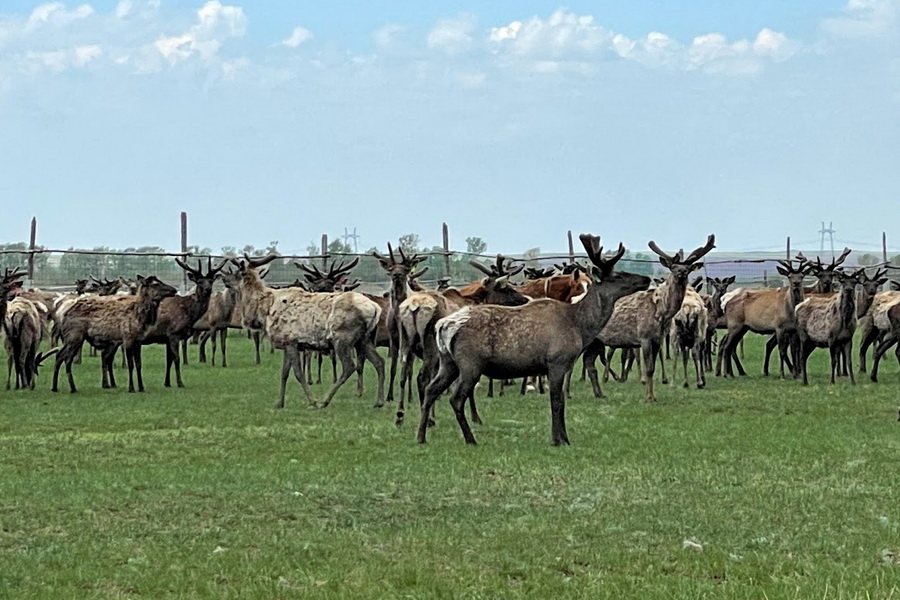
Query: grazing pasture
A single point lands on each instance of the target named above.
(752, 488)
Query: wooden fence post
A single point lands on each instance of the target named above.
(324, 251)
(884, 257)
(445, 232)
(571, 247)
(31, 247)
(184, 248)
(788, 252)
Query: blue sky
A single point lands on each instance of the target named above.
(512, 121)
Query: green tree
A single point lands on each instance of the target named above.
(867, 260)
(409, 243)
(337, 246)
(475, 245)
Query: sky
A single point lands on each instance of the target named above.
(513, 121)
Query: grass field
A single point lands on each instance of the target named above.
(209, 492)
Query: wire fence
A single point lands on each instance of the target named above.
(57, 270)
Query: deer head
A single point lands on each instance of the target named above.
(500, 269)
(679, 266)
(443, 284)
(231, 279)
(399, 270)
(794, 277)
(329, 281)
(9, 281)
(870, 287)
(824, 273)
(156, 289)
(204, 282)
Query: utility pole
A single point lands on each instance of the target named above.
(830, 232)
(351, 236)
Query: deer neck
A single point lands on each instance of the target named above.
(400, 291)
(848, 306)
(147, 308)
(863, 303)
(593, 311)
(671, 295)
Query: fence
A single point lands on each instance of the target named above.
(57, 270)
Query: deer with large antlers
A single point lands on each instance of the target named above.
(400, 272)
(419, 315)
(297, 320)
(106, 321)
(543, 337)
(178, 314)
(641, 320)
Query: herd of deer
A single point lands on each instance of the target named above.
(491, 327)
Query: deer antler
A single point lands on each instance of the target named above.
(835, 262)
(701, 251)
(482, 268)
(255, 263)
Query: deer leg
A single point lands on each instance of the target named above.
(720, 355)
(649, 349)
(169, 358)
(201, 352)
(868, 335)
(589, 358)
(833, 355)
(367, 350)
(770, 345)
(662, 367)
(223, 335)
(476, 418)
(883, 347)
(9, 370)
(394, 355)
(177, 363)
(138, 368)
(848, 360)
(806, 349)
(446, 375)
(184, 352)
(684, 364)
(334, 374)
(556, 378)
(71, 379)
(319, 359)
(698, 354)
(465, 386)
(348, 367)
(360, 366)
(405, 386)
(61, 357)
(129, 357)
(308, 365)
(256, 335)
(285, 372)
(490, 392)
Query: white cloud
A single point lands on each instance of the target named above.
(298, 36)
(61, 60)
(452, 36)
(562, 34)
(386, 37)
(56, 13)
(136, 8)
(216, 22)
(864, 19)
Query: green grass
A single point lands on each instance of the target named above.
(209, 492)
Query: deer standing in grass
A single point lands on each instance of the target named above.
(400, 273)
(24, 327)
(543, 337)
(688, 332)
(105, 321)
(764, 311)
(829, 322)
(641, 320)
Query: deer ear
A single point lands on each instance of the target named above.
(882, 281)
(782, 270)
(192, 277)
(730, 280)
(696, 266)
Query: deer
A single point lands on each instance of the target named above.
(716, 315)
(829, 322)
(24, 327)
(400, 272)
(220, 316)
(419, 315)
(873, 323)
(765, 311)
(296, 320)
(642, 319)
(542, 337)
(105, 321)
(178, 314)
(11, 279)
(688, 330)
(887, 320)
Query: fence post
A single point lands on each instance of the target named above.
(884, 257)
(788, 252)
(324, 251)
(765, 279)
(31, 248)
(571, 247)
(445, 233)
(184, 248)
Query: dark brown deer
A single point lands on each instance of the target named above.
(105, 321)
(220, 316)
(887, 321)
(420, 312)
(543, 337)
(178, 314)
(642, 319)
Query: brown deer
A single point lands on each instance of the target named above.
(764, 311)
(887, 320)
(178, 314)
(873, 323)
(11, 279)
(716, 315)
(543, 337)
(400, 273)
(419, 315)
(220, 316)
(829, 322)
(105, 321)
(642, 319)
(688, 331)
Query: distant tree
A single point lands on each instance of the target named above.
(250, 250)
(229, 251)
(867, 260)
(410, 243)
(531, 256)
(475, 245)
(272, 248)
(337, 246)
(312, 249)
